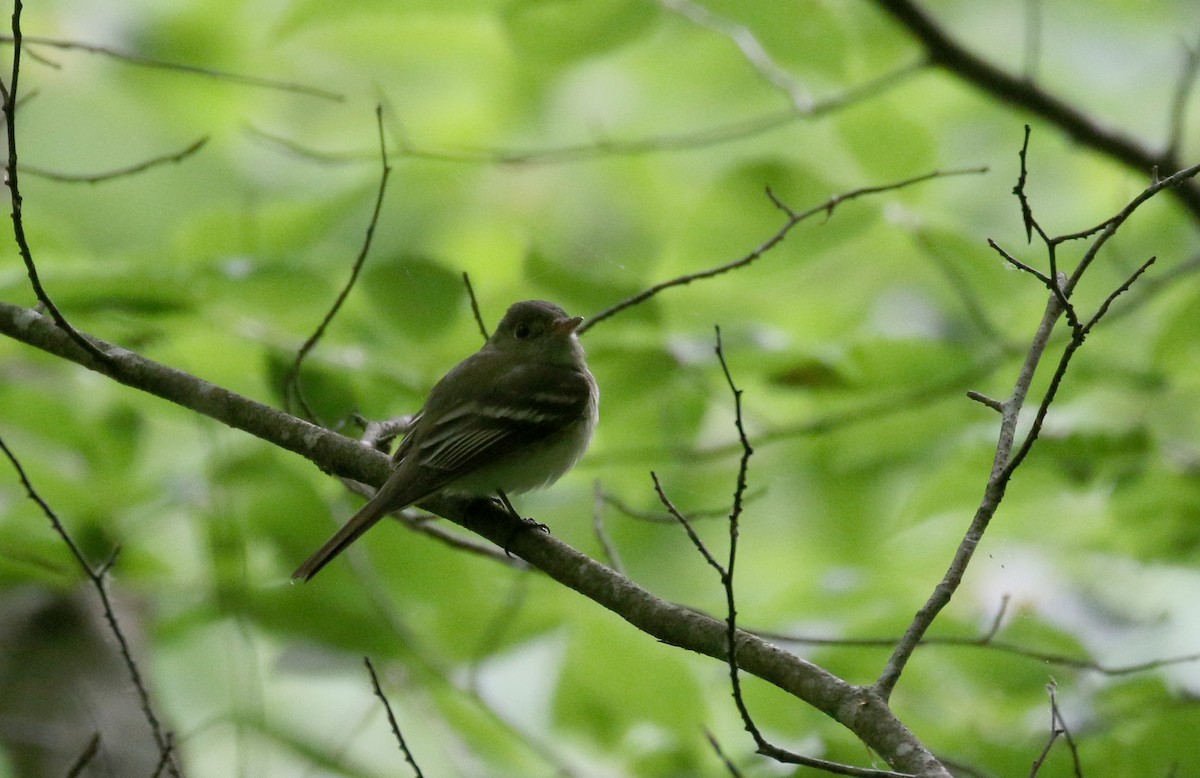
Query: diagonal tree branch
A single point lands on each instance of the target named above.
(950, 55)
(857, 708)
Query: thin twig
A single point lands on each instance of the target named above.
(980, 397)
(157, 64)
(687, 526)
(387, 706)
(1120, 290)
(1019, 191)
(1109, 227)
(1058, 728)
(426, 525)
(1056, 288)
(9, 94)
(85, 757)
(986, 639)
(1073, 345)
(474, 305)
(166, 757)
(292, 380)
(130, 170)
(96, 576)
(1056, 715)
(1006, 461)
(794, 218)
(735, 515)
(606, 544)
(579, 152)
(949, 54)
(726, 573)
(1177, 115)
(725, 760)
(749, 45)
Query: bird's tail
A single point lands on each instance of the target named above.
(376, 508)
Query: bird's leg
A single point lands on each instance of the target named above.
(522, 524)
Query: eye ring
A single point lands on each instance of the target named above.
(522, 331)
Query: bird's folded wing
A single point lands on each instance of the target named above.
(531, 404)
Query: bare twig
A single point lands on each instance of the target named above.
(426, 525)
(980, 397)
(578, 152)
(130, 170)
(726, 573)
(1106, 229)
(1019, 191)
(655, 517)
(1019, 265)
(85, 757)
(149, 62)
(993, 494)
(1006, 461)
(1058, 728)
(987, 640)
(735, 515)
(687, 526)
(949, 54)
(166, 757)
(387, 706)
(750, 47)
(1177, 115)
(606, 544)
(9, 94)
(1077, 338)
(1055, 283)
(162, 738)
(730, 767)
(475, 305)
(793, 218)
(292, 380)
(1056, 713)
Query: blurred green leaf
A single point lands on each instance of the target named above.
(418, 295)
(560, 31)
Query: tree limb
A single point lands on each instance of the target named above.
(857, 708)
(945, 52)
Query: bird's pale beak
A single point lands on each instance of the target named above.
(567, 326)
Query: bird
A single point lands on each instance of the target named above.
(512, 417)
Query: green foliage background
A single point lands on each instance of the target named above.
(552, 148)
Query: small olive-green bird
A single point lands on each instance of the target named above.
(514, 416)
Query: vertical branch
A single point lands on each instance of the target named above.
(387, 706)
(606, 544)
(11, 179)
(475, 305)
(735, 515)
(162, 738)
(292, 380)
(1033, 40)
(997, 484)
(1005, 462)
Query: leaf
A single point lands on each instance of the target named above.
(556, 32)
(416, 294)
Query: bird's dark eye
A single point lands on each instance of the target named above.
(522, 331)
